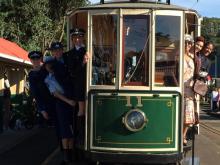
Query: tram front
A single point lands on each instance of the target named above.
(134, 81)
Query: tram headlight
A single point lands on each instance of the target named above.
(135, 120)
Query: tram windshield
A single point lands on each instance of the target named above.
(135, 50)
(130, 55)
(167, 51)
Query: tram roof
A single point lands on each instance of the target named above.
(133, 5)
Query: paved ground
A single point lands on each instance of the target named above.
(208, 141)
(10, 138)
(30, 148)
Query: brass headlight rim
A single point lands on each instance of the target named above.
(126, 116)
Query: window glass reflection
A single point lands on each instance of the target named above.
(104, 49)
(167, 51)
(135, 50)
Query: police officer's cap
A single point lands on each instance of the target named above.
(48, 59)
(55, 45)
(77, 32)
(35, 54)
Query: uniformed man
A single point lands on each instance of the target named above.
(38, 89)
(60, 67)
(64, 109)
(76, 59)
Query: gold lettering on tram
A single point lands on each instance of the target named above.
(128, 101)
(139, 103)
(169, 103)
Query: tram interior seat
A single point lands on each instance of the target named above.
(166, 67)
(166, 76)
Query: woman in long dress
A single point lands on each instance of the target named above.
(189, 67)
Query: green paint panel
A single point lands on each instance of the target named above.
(109, 130)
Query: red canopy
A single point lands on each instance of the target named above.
(12, 51)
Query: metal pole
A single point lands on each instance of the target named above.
(193, 142)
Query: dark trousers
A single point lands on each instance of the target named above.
(214, 105)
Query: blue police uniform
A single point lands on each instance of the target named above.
(63, 110)
(77, 71)
(62, 76)
(38, 89)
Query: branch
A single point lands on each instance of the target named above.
(62, 30)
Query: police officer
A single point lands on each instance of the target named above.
(76, 60)
(64, 109)
(38, 89)
(60, 67)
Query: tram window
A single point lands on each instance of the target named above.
(104, 42)
(135, 69)
(167, 51)
(191, 24)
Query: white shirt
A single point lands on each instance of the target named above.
(214, 95)
(53, 85)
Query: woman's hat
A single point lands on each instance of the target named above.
(35, 54)
(189, 38)
(77, 32)
(55, 45)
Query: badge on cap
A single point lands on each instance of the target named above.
(77, 32)
(55, 45)
(35, 54)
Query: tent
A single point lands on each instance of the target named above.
(11, 51)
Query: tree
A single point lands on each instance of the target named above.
(34, 24)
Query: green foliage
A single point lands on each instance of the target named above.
(34, 24)
(211, 31)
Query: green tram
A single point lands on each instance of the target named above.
(134, 109)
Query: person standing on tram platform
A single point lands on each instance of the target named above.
(196, 50)
(64, 110)
(60, 67)
(38, 89)
(76, 59)
(189, 67)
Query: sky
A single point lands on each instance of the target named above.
(206, 8)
